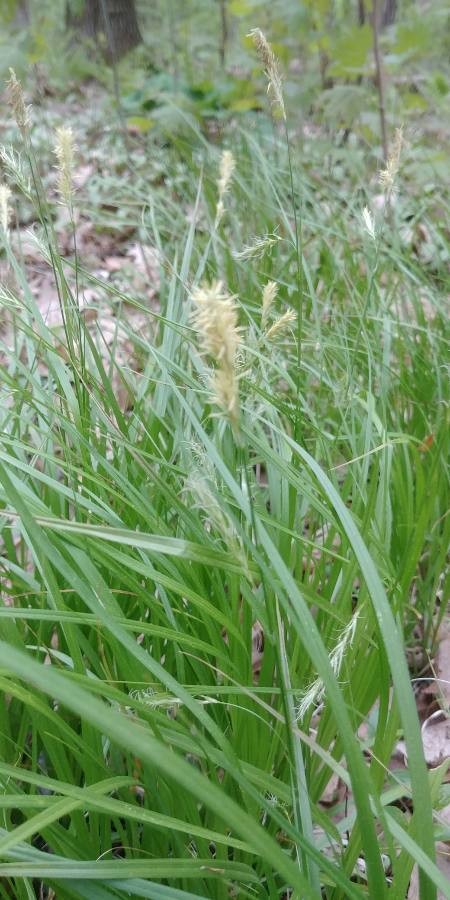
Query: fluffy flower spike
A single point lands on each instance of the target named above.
(5, 194)
(215, 317)
(269, 293)
(272, 72)
(64, 151)
(226, 169)
(368, 222)
(316, 692)
(388, 175)
(287, 319)
(16, 101)
(257, 249)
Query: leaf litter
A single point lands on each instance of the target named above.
(118, 256)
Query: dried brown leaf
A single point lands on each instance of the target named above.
(442, 665)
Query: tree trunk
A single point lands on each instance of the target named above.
(377, 13)
(361, 13)
(112, 24)
(389, 13)
(22, 14)
(223, 32)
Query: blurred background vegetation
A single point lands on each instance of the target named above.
(192, 60)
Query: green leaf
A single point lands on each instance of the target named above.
(141, 123)
(411, 40)
(350, 51)
(240, 7)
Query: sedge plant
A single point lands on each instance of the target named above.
(147, 749)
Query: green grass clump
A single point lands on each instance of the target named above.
(207, 604)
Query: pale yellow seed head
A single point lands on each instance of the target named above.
(215, 317)
(368, 222)
(270, 291)
(226, 169)
(388, 175)
(316, 691)
(225, 389)
(64, 150)
(5, 194)
(345, 641)
(267, 57)
(310, 699)
(281, 324)
(16, 100)
(257, 249)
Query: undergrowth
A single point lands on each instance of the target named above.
(214, 559)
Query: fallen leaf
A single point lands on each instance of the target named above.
(443, 864)
(427, 443)
(257, 648)
(143, 255)
(114, 263)
(331, 792)
(436, 738)
(442, 665)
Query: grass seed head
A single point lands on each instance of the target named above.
(368, 222)
(13, 163)
(16, 100)
(272, 72)
(257, 249)
(226, 169)
(316, 691)
(310, 699)
(5, 194)
(388, 175)
(281, 324)
(225, 388)
(345, 641)
(215, 317)
(269, 293)
(204, 496)
(64, 151)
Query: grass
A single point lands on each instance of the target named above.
(146, 750)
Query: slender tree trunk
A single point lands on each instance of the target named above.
(376, 17)
(22, 14)
(115, 20)
(223, 31)
(361, 13)
(389, 13)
